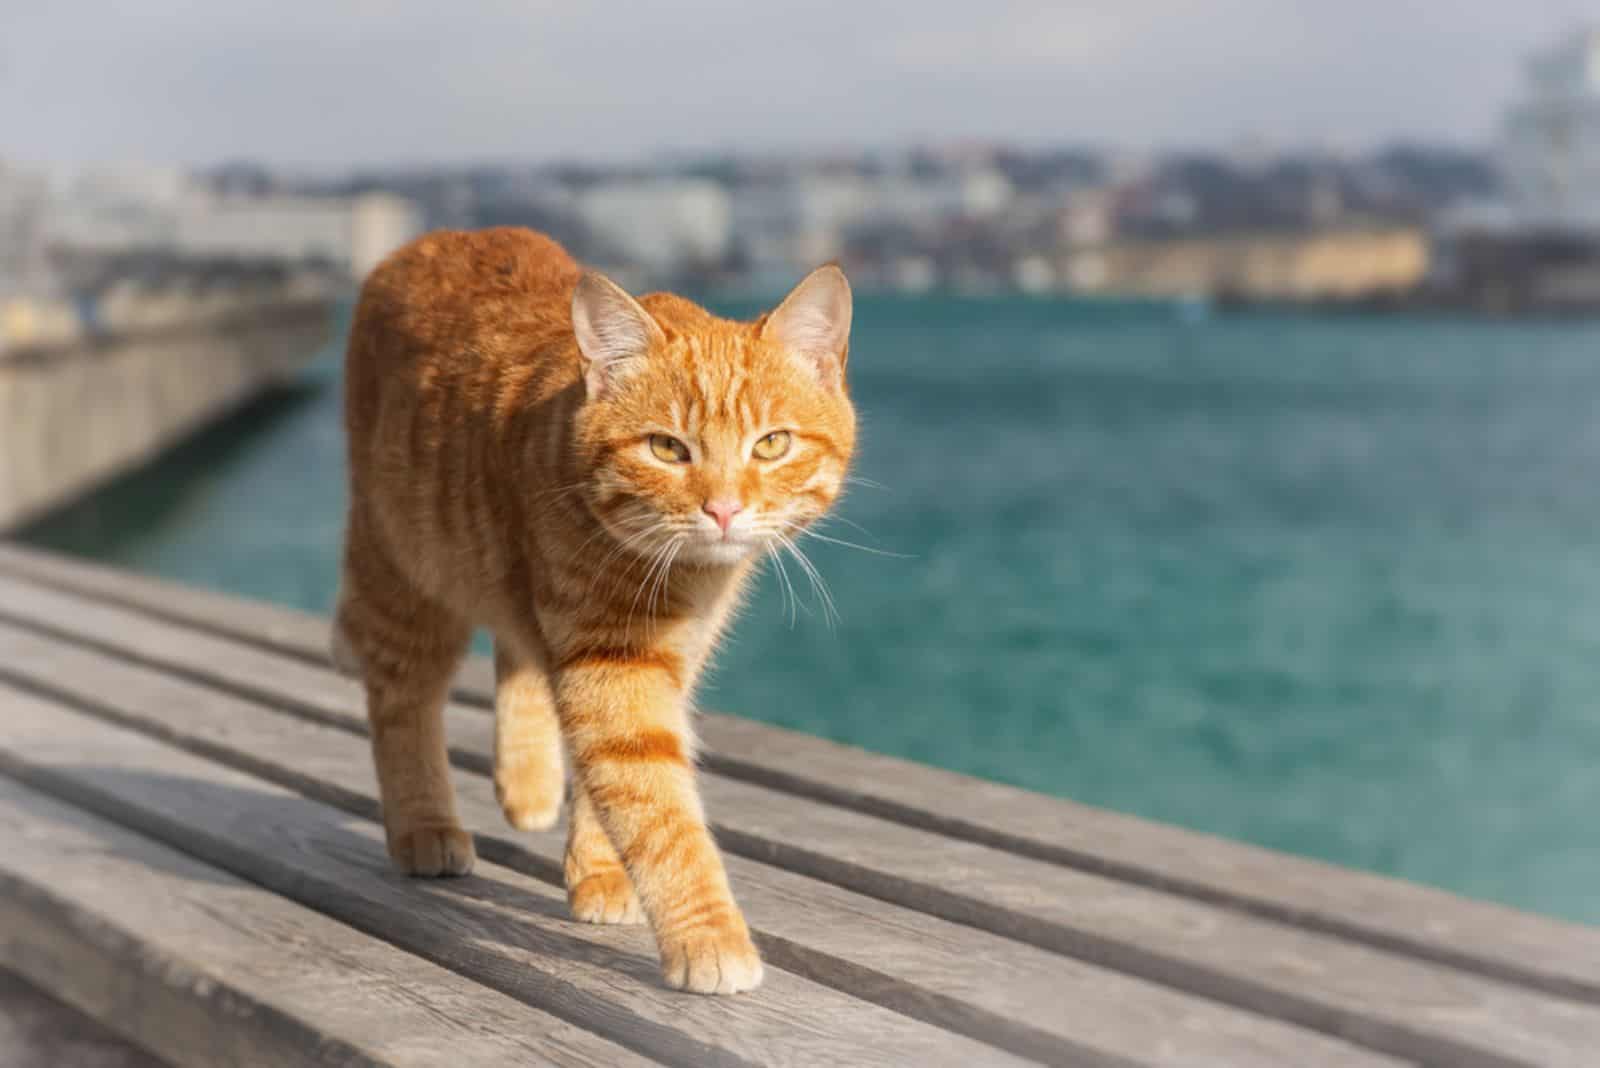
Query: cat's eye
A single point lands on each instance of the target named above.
(668, 449)
(773, 445)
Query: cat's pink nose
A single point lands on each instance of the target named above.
(723, 511)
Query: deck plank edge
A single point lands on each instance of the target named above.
(895, 993)
(879, 988)
(52, 943)
(1387, 1037)
(190, 963)
(1504, 968)
(499, 929)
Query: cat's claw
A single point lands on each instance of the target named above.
(605, 897)
(431, 852)
(711, 960)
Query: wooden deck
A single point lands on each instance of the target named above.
(191, 855)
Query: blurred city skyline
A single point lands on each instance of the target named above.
(1508, 225)
(329, 87)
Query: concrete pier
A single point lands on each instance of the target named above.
(77, 411)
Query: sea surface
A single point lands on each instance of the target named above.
(1330, 585)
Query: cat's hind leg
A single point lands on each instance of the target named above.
(406, 648)
(528, 767)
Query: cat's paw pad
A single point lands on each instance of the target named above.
(529, 806)
(605, 897)
(431, 852)
(711, 960)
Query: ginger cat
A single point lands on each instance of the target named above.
(592, 478)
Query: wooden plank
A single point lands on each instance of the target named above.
(1377, 999)
(1428, 923)
(1030, 1002)
(500, 928)
(292, 633)
(36, 1028)
(205, 969)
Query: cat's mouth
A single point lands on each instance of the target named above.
(697, 541)
(722, 549)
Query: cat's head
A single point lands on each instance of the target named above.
(720, 437)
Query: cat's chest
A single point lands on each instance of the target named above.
(707, 609)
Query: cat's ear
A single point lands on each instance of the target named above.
(813, 322)
(612, 328)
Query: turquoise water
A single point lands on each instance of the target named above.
(1328, 585)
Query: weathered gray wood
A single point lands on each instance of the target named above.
(1031, 1002)
(1351, 991)
(499, 928)
(37, 1028)
(1420, 921)
(289, 632)
(205, 969)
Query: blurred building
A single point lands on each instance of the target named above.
(1331, 265)
(657, 225)
(1552, 138)
(1536, 246)
(115, 211)
(350, 234)
(115, 249)
(24, 195)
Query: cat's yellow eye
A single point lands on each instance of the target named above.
(668, 449)
(773, 445)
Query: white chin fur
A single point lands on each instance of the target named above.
(721, 552)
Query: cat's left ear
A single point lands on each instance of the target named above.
(813, 322)
(614, 331)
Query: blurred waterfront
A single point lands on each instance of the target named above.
(1323, 583)
(1505, 227)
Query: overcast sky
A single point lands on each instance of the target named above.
(340, 82)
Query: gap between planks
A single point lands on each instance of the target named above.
(1430, 924)
(1009, 994)
(500, 928)
(1361, 994)
(203, 968)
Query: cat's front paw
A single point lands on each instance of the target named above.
(431, 852)
(530, 808)
(605, 897)
(711, 960)
(530, 803)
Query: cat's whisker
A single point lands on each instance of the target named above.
(664, 583)
(655, 586)
(657, 554)
(556, 491)
(626, 522)
(656, 559)
(600, 570)
(825, 520)
(809, 531)
(819, 587)
(627, 628)
(788, 597)
(853, 545)
(626, 543)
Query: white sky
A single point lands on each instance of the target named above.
(339, 82)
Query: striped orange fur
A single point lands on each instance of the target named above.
(592, 478)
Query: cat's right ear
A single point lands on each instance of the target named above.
(613, 330)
